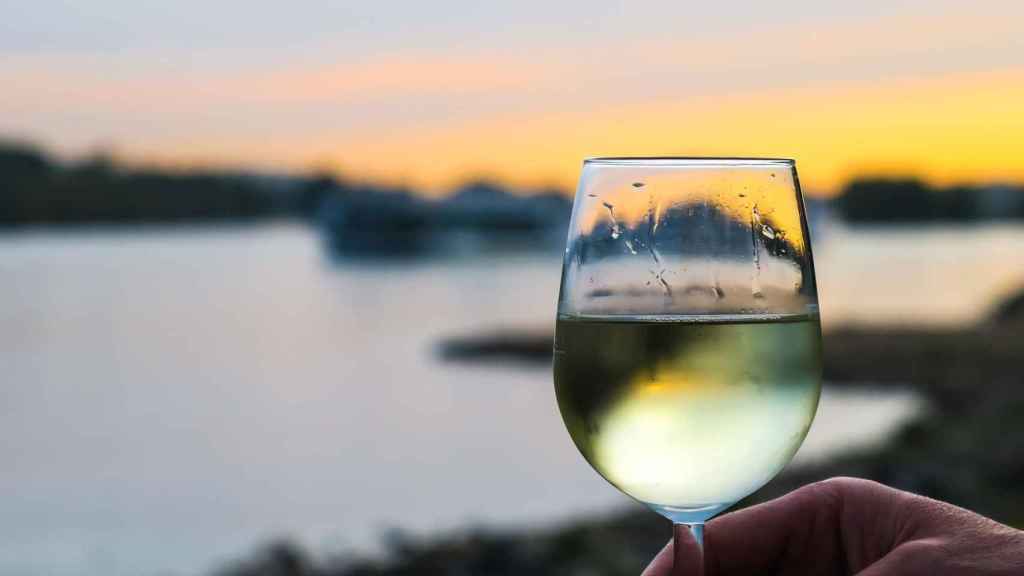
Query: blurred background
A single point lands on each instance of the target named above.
(278, 282)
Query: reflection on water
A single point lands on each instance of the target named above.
(171, 398)
(936, 275)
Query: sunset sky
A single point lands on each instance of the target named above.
(431, 93)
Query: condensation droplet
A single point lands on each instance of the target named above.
(638, 184)
(767, 231)
(660, 277)
(755, 280)
(653, 216)
(665, 286)
(592, 195)
(616, 229)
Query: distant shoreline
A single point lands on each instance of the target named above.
(38, 188)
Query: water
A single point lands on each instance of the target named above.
(170, 399)
(941, 276)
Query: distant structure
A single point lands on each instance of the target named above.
(1000, 201)
(476, 218)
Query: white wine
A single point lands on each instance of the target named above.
(688, 414)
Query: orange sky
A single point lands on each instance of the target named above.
(937, 93)
(951, 128)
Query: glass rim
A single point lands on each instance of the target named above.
(715, 161)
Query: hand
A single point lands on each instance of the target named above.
(846, 526)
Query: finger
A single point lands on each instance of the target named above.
(915, 558)
(800, 526)
(805, 530)
(751, 540)
(808, 529)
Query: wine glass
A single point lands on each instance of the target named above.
(688, 345)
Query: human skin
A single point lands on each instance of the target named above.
(847, 526)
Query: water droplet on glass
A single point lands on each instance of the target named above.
(629, 245)
(616, 229)
(660, 277)
(653, 216)
(773, 174)
(665, 286)
(638, 184)
(755, 280)
(767, 231)
(592, 195)
(743, 195)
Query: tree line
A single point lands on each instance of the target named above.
(909, 200)
(36, 189)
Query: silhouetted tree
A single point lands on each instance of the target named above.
(884, 200)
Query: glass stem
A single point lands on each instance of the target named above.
(688, 545)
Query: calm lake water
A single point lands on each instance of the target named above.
(172, 398)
